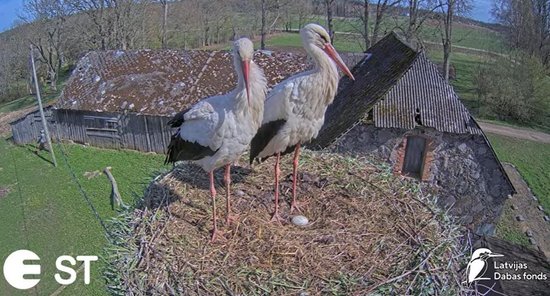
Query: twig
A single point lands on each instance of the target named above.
(406, 273)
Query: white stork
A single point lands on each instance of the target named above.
(295, 109)
(216, 131)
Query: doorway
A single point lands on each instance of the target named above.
(415, 153)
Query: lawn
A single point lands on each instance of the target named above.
(465, 35)
(532, 159)
(48, 95)
(45, 212)
(466, 67)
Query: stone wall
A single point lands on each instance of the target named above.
(459, 169)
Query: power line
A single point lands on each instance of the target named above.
(22, 202)
(82, 191)
(25, 229)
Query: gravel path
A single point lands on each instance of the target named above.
(515, 132)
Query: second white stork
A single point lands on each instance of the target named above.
(295, 109)
(217, 131)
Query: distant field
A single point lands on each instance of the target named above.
(45, 206)
(466, 35)
(465, 64)
(48, 95)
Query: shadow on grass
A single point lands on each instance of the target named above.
(35, 151)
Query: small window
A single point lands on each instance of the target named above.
(414, 156)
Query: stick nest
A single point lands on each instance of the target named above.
(369, 233)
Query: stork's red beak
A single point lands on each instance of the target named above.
(329, 49)
(246, 72)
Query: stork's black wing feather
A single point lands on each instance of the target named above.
(265, 133)
(178, 119)
(180, 149)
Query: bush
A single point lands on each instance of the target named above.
(514, 89)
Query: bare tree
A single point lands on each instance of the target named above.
(99, 15)
(419, 12)
(382, 7)
(363, 15)
(449, 9)
(330, 26)
(528, 25)
(48, 18)
(128, 24)
(163, 40)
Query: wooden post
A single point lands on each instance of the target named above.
(116, 199)
(46, 130)
(147, 134)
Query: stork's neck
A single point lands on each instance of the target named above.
(323, 63)
(258, 88)
(327, 73)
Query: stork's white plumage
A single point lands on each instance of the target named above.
(295, 109)
(217, 131)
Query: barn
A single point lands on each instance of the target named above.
(123, 99)
(401, 111)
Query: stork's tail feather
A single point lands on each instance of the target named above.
(171, 152)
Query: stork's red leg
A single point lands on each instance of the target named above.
(227, 178)
(295, 204)
(214, 216)
(276, 217)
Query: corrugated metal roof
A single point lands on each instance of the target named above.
(380, 70)
(422, 98)
(401, 86)
(162, 82)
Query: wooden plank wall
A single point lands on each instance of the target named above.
(146, 133)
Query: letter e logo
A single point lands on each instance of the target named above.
(15, 269)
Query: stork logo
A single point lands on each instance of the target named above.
(477, 266)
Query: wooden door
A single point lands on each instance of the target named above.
(414, 156)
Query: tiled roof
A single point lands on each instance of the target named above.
(165, 82)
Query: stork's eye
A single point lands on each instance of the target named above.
(323, 37)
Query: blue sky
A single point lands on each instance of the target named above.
(482, 10)
(10, 9)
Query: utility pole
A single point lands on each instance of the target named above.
(46, 130)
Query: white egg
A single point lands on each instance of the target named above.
(300, 220)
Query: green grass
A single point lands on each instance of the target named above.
(45, 206)
(466, 66)
(342, 43)
(25, 102)
(532, 160)
(463, 34)
(509, 229)
(47, 93)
